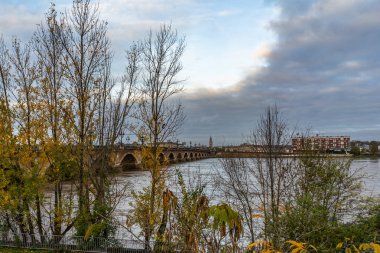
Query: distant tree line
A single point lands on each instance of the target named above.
(365, 148)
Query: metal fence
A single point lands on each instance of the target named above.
(92, 244)
(73, 243)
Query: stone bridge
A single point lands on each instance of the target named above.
(129, 157)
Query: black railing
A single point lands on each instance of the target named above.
(94, 244)
(72, 243)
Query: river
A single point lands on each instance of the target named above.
(371, 171)
(205, 170)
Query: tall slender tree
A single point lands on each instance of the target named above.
(159, 116)
(87, 53)
(5, 79)
(272, 172)
(55, 112)
(29, 167)
(113, 109)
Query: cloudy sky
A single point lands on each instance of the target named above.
(318, 60)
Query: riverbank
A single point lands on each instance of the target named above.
(367, 156)
(263, 155)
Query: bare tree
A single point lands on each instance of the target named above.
(159, 117)
(50, 54)
(237, 186)
(272, 171)
(87, 54)
(114, 107)
(5, 79)
(161, 54)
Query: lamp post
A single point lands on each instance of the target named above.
(121, 137)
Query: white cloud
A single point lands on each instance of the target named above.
(228, 12)
(323, 72)
(17, 21)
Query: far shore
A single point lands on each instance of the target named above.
(255, 155)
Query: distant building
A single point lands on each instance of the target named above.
(321, 143)
(210, 143)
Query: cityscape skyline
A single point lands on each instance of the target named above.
(317, 60)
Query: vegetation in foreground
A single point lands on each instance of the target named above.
(59, 103)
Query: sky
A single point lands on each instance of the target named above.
(318, 60)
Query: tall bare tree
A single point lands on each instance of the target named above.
(159, 116)
(272, 171)
(87, 53)
(114, 107)
(5, 79)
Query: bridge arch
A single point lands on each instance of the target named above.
(185, 157)
(161, 158)
(191, 156)
(129, 162)
(171, 158)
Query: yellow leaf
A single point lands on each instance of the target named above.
(375, 247)
(339, 245)
(295, 250)
(295, 244)
(254, 244)
(363, 246)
